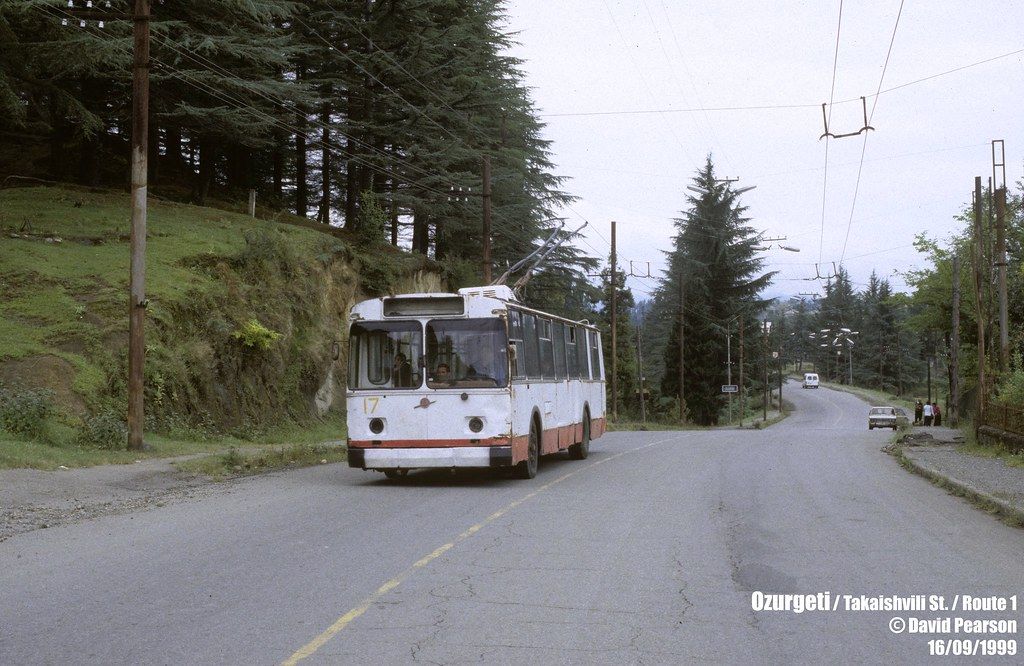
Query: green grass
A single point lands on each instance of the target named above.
(64, 283)
(246, 461)
(303, 441)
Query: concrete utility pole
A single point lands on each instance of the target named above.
(140, 184)
(765, 327)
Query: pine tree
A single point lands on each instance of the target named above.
(715, 273)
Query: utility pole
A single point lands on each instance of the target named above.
(487, 220)
(764, 329)
(1000, 199)
(640, 374)
(682, 346)
(615, 348)
(979, 257)
(140, 184)
(954, 389)
(743, 394)
(781, 411)
(728, 364)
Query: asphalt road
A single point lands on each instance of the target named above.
(661, 548)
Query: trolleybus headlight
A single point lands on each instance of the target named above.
(376, 426)
(476, 424)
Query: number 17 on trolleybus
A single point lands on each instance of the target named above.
(470, 379)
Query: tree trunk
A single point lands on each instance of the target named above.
(209, 152)
(324, 215)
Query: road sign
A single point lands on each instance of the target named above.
(730, 388)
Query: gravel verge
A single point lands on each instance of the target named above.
(34, 499)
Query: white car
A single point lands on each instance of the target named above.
(810, 380)
(886, 417)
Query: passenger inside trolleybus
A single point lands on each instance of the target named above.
(401, 371)
(442, 376)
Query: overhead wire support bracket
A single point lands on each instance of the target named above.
(866, 127)
(819, 276)
(632, 273)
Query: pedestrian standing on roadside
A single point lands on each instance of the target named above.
(936, 414)
(927, 414)
(918, 411)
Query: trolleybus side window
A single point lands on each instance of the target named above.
(595, 355)
(558, 342)
(385, 355)
(516, 345)
(571, 361)
(530, 346)
(547, 361)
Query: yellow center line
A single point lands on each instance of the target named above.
(310, 648)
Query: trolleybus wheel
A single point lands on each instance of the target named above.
(582, 450)
(527, 469)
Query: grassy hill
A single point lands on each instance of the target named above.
(242, 319)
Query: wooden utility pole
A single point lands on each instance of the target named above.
(682, 346)
(979, 257)
(487, 220)
(1004, 333)
(139, 169)
(743, 393)
(1000, 200)
(640, 374)
(615, 348)
(954, 351)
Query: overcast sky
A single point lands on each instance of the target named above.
(635, 94)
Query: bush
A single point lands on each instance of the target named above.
(25, 411)
(1011, 388)
(256, 335)
(106, 430)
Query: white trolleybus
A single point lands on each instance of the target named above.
(472, 379)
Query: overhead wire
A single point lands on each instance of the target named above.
(832, 92)
(864, 145)
(781, 107)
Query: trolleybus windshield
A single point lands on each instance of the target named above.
(385, 354)
(473, 351)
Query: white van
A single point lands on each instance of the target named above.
(810, 380)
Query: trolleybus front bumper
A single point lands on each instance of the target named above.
(414, 458)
